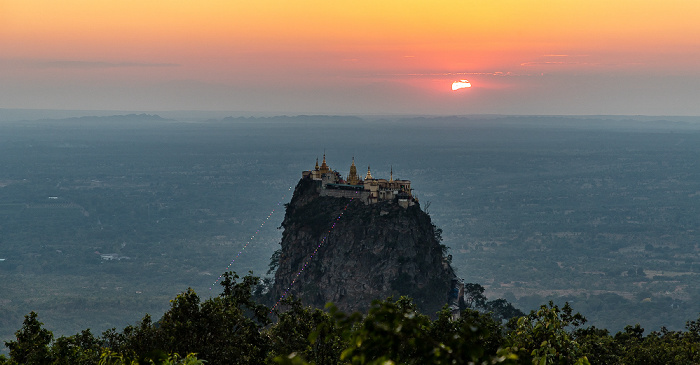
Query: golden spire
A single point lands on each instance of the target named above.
(324, 167)
(391, 174)
(353, 179)
(316, 168)
(369, 174)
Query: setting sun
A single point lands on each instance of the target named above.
(461, 84)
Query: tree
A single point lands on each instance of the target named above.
(501, 310)
(112, 358)
(542, 337)
(220, 330)
(391, 331)
(474, 337)
(32, 344)
(80, 349)
(396, 333)
(142, 340)
(311, 334)
(182, 326)
(474, 296)
(598, 346)
(659, 347)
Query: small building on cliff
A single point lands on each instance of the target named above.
(370, 190)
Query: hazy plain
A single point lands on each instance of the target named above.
(598, 211)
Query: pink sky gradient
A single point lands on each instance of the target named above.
(360, 57)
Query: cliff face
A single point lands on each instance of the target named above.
(362, 252)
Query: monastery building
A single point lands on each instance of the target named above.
(370, 190)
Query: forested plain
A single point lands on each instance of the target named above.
(599, 212)
(234, 328)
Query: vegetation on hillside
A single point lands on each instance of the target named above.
(234, 328)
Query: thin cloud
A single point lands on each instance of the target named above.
(422, 74)
(74, 64)
(563, 55)
(558, 59)
(536, 63)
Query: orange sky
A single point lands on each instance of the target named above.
(522, 57)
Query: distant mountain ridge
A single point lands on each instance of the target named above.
(285, 118)
(143, 117)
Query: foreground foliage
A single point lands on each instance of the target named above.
(234, 329)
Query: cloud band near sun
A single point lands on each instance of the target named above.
(77, 64)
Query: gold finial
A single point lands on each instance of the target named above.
(316, 168)
(369, 174)
(324, 167)
(391, 173)
(353, 179)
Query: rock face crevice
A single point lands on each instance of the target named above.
(362, 252)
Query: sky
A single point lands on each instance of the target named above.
(544, 57)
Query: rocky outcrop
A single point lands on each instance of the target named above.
(343, 251)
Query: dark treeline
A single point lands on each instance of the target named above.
(234, 328)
